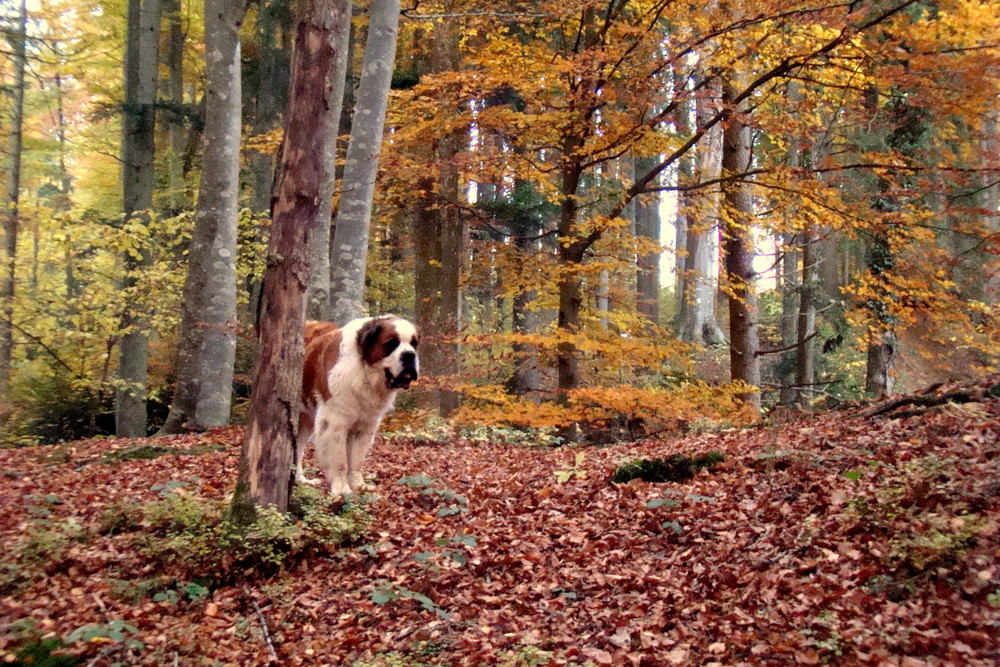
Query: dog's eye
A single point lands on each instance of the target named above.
(414, 343)
(391, 345)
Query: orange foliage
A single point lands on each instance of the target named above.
(642, 409)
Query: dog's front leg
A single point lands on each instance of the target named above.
(330, 442)
(358, 446)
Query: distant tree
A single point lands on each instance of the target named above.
(11, 220)
(138, 150)
(203, 391)
(439, 236)
(737, 234)
(174, 62)
(349, 256)
(647, 229)
(698, 284)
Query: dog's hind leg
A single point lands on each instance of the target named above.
(302, 443)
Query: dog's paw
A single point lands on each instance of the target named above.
(311, 481)
(340, 489)
(358, 483)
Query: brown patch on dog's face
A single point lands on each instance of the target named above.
(375, 340)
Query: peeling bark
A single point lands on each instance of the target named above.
(265, 475)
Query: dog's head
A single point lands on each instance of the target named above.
(390, 343)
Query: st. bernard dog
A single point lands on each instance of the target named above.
(350, 380)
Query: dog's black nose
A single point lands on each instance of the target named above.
(409, 359)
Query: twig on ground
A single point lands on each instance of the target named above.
(103, 654)
(263, 625)
(923, 401)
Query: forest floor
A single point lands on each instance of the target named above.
(862, 536)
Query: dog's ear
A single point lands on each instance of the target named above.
(369, 337)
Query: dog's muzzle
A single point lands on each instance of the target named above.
(401, 381)
(407, 375)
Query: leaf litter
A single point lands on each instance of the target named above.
(838, 538)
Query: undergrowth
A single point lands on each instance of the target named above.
(420, 427)
(197, 537)
(46, 546)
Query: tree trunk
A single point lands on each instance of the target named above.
(11, 218)
(138, 179)
(880, 366)
(267, 98)
(571, 253)
(790, 281)
(789, 316)
(524, 320)
(427, 281)
(270, 440)
(65, 203)
(318, 294)
(175, 67)
(696, 318)
(439, 241)
(827, 264)
(647, 228)
(350, 245)
(685, 176)
(805, 350)
(744, 362)
(990, 148)
(203, 394)
(267, 93)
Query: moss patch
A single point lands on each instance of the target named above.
(144, 452)
(674, 468)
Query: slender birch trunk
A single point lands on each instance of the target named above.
(350, 243)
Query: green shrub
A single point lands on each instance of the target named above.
(31, 647)
(50, 406)
(199, 537)
(674, 468)
(115, 630)
(157, 589)
(941, 541)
